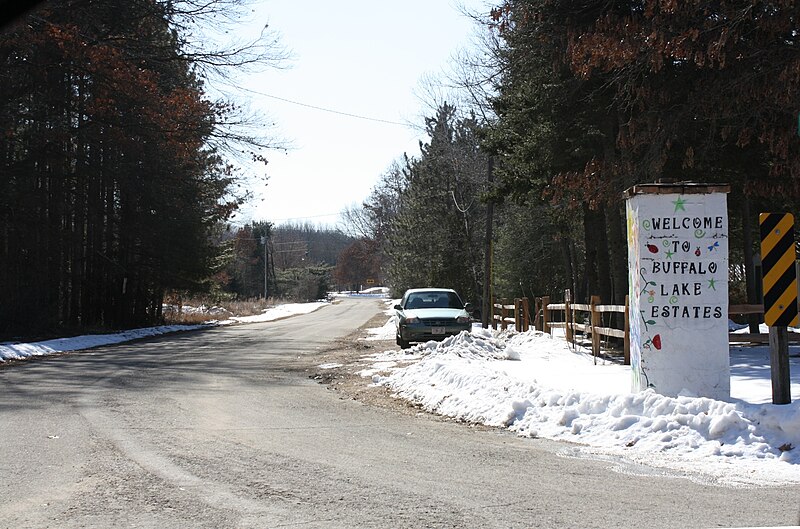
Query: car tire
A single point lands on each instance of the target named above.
(402, 343)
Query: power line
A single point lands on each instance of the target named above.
(308, 217)
(347, 114)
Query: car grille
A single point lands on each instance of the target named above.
(437, 323)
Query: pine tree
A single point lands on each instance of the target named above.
(110, 188)
(435, 236)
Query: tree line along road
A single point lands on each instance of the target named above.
(223, 428)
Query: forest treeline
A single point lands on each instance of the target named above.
(295, 261)
(113, 182)
(116, 187)
(578, 101)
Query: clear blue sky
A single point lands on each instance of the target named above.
(356, 57)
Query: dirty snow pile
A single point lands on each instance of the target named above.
(214, 310)
(21, 351)
(538, 386)
(386, 332)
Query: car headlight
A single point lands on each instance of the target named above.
(411, 319)
(463, 319)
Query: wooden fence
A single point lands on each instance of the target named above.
(517, 313)
(592, 322)
(506, 313)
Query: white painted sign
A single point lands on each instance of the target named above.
(678, 266)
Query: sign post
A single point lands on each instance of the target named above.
(780, 296)
(678, 281)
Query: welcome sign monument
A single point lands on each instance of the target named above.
(678, 288)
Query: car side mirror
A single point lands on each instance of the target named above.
(398, 307)
(468, 307)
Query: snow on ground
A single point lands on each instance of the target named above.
(372, 292)
(387, 331)
(276, 313)
(537, 386)
(20, 351)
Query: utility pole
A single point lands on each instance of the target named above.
(486, 311)
(264, 240)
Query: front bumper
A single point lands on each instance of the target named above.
(421, 332)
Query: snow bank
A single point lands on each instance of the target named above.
(539, 387)
(20, 351)
(281, 311)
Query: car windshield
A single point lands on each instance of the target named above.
(434, 300)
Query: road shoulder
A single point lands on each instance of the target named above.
(340, 369)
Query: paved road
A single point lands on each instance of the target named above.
(224, 429)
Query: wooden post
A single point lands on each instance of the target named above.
(568, 316)
(503, 313)
(491, 315)
(526, 315)
(517, 318)
(595, 321)
(545, 314)
(537, 317)
(626, 341)
(779, 365)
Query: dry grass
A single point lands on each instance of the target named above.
(195, 311)
(181, 318)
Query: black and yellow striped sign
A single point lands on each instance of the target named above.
(778, 269)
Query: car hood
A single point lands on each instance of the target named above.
(427, 314)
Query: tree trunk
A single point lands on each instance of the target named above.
(749, 270)
(611, 252)
(604, 283)
(486, 302)
(590, 255)
(578, 286)
(570, 269)
(618, 250)
(598, 267)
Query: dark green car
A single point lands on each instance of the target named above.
(430, 314)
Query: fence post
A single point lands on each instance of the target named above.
(545, 314)
(491, 314)
(568, 316)
(595, 322)
(526, 315)
(503, 313)
(537, 318)
(517, 315)
(627, 340)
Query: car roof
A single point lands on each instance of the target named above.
(413, 290)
